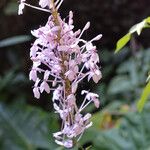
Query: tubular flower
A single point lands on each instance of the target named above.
(61, 60)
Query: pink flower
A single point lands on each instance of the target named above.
(33, 75)
(61, 60)
(36, 92)
(44, 87)
(33, 50)
(66, 143)
(79, 55)
(91, 97)
(44, 3)
(71, 100)
(74, 87)
(96, 76)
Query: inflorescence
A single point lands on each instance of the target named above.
(61, 60)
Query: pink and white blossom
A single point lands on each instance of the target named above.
(44, 3)
(61, 60)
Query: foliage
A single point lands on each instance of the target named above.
(144, 97)
(14, 40)
(116, 127)
(136, 28)
(26, 128)
(132, 133)
(123, 41)
(16, 81)
(29, 128)
(131, 74)
(11, 8)
(125, 128)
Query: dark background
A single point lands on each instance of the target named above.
(124, 74)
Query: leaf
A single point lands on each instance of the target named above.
(132, 133)
(14, 40)
(26, 128)
(119, 84)
(11, 8)
(144, 97)
(122, 42)
(98, 118)
(138, 27)
(112, 140)
(88, 148)
(148, 78)
(147, 20)
(13, 79)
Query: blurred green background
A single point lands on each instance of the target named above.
(28, 124)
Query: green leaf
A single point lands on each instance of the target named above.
(11, 8)
(6, 80)
(144, 97)
(88, 148)
(147, 19)
(148, 78)
(122, 42)
(14, 40)
(147, 24)
(120, 84)
(136, 28)
(112, 140)
(132, 133)
(26, 128)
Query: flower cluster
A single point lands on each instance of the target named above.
(61, 60)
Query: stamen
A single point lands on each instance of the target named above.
(38, 8)
(58, 6)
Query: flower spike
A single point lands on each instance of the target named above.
(61, 60)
